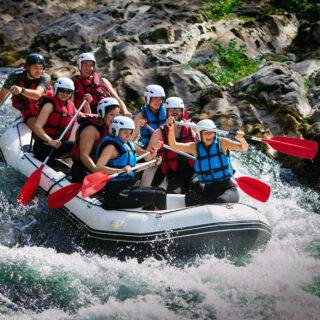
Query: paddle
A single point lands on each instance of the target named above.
(165, 145)
(65, 194)
(94, 182)
(32, 183)
(255, 188)
(296, 147)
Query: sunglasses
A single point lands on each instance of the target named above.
(65, 91)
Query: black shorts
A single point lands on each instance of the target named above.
(120, 195)
(78, 171)
(42, 149)
(219, 192)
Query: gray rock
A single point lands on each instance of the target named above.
(249, 114)
(177, 81)
(224, 114)
(306, 67)
(308, 37)
(279, 87)
(314, 130)
(209, 93)
(315, 33)
(267, 33)
(315, 78)
(159, 34)
(204, 54)
(315, 116)
(295, 104)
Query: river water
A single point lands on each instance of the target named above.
(46, 274)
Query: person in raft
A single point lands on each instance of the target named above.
(152, 112)
(90, 83)
(213, 166)
(91, 130)
(55, 115)
(176, 168)
(115, 153)
(28, 86)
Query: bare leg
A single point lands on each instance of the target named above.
(31, 122)
(147, 176)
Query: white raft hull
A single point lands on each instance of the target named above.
(229, 228)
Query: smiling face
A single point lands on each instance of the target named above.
(35, 70)
(112, 113)
(207, 137)
(87, 68)
(64, 94)
(155, 103)
(125, 134)
(177, 113)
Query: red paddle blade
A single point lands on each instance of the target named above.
(93, 183)
(254, 188)
(63, 195)
(300, 148)
(30, 187)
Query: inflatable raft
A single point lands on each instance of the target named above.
(225, 228)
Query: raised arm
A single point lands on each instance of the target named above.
(137, 123)
(155, 140)
(189, 147)
(86, 109)
(114, 94)
(242, 145)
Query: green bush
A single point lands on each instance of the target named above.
(233, 63)
(219, 8)
(271, 56)
(308, 9)
(307, 83)
(254, 89)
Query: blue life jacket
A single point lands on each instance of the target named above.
(127, 155)
(154, 121)
(212, 165)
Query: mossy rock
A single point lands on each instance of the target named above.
(11, 58)
(288, 123)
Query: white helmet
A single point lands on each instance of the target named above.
(153, 90)
(87, 56)
(174, 103)
(205, 125)
(63, 83)
(121, 122)
(105, 104)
